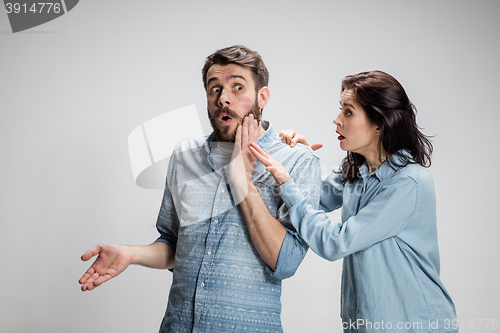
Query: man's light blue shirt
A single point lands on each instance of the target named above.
(388, 239)
(220, 283)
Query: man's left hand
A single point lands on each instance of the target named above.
(243, 161)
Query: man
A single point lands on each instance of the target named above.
(229, 253)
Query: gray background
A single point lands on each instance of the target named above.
(72, 90)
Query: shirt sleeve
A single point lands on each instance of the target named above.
(167, 223)
(384, 217)
(307, 176)
(332, 190)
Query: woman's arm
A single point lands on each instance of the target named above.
(385, 216)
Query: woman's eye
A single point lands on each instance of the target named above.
(347, 112)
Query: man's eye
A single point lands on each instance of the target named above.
(215, 90)
(238, 87)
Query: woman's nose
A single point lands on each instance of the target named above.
(336, 120)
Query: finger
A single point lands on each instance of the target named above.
(95, 281)
(259, 150)
(237, 144)
(237, 138)
(271, 169)
(92, 252)
(263, 153)
(101, 279)
(251, 128)
(260, 157)
(294, 140)
(90, 282)
(88, 287)
(244, 133)
(283, 135)
(86, 276)
(255, 135)
(288, 136)
(316, 146)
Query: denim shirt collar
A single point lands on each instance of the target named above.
(386, 169)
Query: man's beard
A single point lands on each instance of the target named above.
(226, 133)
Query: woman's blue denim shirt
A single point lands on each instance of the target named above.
(388, 239)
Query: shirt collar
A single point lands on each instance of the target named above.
(269, 136)
(265, 140)
(387, 168)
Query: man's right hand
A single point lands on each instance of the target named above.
(290, 137)
(112, 260)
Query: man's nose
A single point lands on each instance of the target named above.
(224, 99)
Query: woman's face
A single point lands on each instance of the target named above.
(356, 133)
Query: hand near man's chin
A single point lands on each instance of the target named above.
(243, 161)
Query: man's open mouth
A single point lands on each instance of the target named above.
(225, 119)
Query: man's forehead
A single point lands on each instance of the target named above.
(220, 72)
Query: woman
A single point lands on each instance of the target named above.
(388, 236)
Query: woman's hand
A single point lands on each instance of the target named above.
(290, 137)
(280, 174)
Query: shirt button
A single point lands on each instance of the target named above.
(209, 253)
(222, 191)
(202, 285)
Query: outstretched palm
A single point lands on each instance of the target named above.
(112, 260)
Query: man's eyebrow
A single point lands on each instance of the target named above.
(213, 78)
(236, 76)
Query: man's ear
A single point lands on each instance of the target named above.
(263, 96)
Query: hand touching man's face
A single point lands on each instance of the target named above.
(231, 96)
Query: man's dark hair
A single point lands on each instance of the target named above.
(387, 106)
(241, 56)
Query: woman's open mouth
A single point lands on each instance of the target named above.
(340, 137)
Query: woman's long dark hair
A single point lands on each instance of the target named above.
(387, 106)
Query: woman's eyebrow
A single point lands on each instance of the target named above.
(347, 104)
